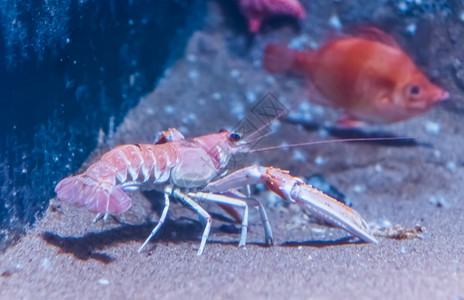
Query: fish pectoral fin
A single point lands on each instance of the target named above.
(348, 121)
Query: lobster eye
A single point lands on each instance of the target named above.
(222, 130)
(415, 90)
(234, 137)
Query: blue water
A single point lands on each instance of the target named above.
(66, 69)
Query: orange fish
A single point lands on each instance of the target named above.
(369, 77)
(257, 10)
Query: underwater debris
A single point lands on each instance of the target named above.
(334, 22)
(432, 127)
(103, 281)
(439, 201)
(398, 232)
(9, 272)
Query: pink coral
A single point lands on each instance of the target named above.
(258, 10)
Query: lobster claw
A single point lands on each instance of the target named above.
(295, 190)
(333, 212)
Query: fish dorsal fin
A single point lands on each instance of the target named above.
(375, 34)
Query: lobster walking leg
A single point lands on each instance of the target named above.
(199, 196)
(268, 237)
(201, 211)
(161, 220)
(235, 198)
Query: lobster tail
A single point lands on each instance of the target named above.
(99, 197)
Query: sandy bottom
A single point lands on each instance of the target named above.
(68, 256)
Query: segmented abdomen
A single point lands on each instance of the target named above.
(139, 163)
(101, 187)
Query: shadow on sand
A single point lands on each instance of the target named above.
(349, 240)
(90, 245)
(355, 133)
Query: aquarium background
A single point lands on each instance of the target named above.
(131, 69)
(69, 72)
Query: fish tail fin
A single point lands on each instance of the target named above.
(280, 59)
(103, 198)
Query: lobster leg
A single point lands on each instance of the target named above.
(231, 212)
(269, 239)
(240, 200)
(100, 216)
(97, 217)
(242, 177)
(294, 190)
(201, 211)
(161, 220)
(200, 196)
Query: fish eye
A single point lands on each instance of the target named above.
(222, 130)
(234, 137)
(415, 90)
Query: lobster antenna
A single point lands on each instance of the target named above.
(266, 125)
(330, 141)
(258, 133)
